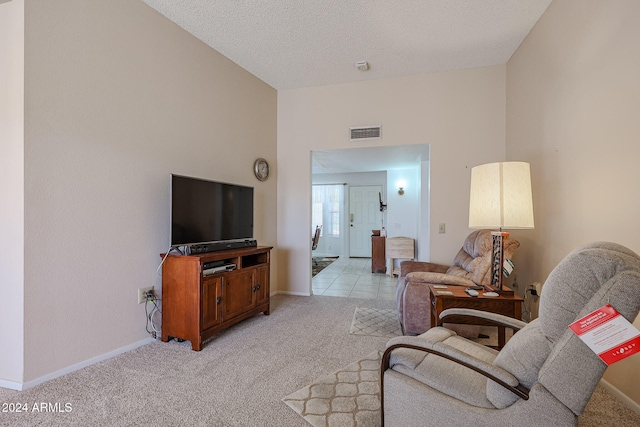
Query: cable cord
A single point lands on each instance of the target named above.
(171, 249)
(526, 313)
(529, 295)
(150, 314)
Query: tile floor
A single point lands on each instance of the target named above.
(352, 277)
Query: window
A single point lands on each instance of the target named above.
(326, 208)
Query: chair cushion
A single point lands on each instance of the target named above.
(522, 356)
(572, 370)
(438, 278)
(588, 278)
(473, 261)
(444, 375)
(575, 281)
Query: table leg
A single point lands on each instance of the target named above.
(501, 336)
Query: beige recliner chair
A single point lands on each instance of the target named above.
(545, 374)
(471, 266)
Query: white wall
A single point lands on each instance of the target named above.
(12, 193)
(573, 103)
(116, 99)
(460, 113)
(423, 247)
(403, 211)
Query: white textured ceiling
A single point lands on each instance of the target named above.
(301, 43)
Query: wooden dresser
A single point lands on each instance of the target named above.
(378, 258)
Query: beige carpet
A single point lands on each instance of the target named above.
(377, 322)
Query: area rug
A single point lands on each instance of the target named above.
(377, 322)
(348, 397)
(320, 263)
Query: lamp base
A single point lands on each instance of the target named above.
(497, 260)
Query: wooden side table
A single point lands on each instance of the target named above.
(507, 305)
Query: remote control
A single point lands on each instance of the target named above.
(472, 292)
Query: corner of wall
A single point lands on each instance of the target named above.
(12, 194)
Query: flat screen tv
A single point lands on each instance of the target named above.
(205, 211)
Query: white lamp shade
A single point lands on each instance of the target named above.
(501, 196)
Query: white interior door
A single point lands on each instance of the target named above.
(364, 216)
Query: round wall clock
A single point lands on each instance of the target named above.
(261, 169)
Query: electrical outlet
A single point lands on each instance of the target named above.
(534, 289)
(537, 286)
(142, 294)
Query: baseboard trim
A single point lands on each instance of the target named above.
(298, 294)
(626, 400)
(29, 384)
(11, 385)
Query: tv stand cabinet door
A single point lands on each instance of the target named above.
(261, 287)
(237, 293)
(211, 302)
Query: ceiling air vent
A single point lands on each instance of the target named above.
(365, 132)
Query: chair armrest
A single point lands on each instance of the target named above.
(457, 315)
(495, 373)
(438, 278)
(407, 267)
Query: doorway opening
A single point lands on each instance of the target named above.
(371, 175)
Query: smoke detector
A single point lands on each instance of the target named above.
(362, 65)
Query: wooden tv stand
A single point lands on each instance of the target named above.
(195, 307)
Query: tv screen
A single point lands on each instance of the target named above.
(207, 211)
